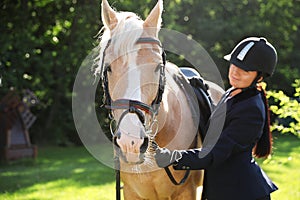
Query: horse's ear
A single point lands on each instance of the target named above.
(154, 18)
(109, 16)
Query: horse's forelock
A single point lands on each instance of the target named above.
(126, 33)
(123, 37)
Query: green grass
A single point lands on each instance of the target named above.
(284, 167)
(72, 173)
(57, 173)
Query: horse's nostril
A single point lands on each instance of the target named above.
(115, 141)
(144, 146)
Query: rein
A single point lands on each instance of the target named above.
(182, 181)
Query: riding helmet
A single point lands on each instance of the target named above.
(254, 54)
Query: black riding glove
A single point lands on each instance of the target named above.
(164, 157)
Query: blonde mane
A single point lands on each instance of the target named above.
(123, 38)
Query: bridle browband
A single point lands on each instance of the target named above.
(134, 106)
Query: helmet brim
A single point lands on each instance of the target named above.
(227, 57)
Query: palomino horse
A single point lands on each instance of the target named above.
(146, 102)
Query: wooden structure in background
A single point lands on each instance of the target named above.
(15, 120)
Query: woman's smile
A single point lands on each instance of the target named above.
(240, 78)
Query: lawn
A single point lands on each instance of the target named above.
(283, 167)
(72, 173)
(57, 173)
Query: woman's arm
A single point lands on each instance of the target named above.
(243, 126)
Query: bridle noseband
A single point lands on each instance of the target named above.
(134, 106)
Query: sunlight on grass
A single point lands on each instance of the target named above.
(283, 168)
(58, 173)
(73, 174)
(63, 189)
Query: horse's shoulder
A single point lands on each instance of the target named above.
(171, 68)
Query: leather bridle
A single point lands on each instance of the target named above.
(134, 106)
(137, 107)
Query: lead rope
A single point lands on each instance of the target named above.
(154, 145)
(118, 177)
(171, 177)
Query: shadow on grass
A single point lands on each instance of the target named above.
(71, 165)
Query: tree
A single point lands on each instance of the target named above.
(286, 110)
(44, 42)
(42, 46)
(219, 25)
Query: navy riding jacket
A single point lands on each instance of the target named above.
(231, 173)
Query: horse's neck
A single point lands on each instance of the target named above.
(177, 127)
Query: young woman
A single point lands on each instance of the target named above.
(239, 129)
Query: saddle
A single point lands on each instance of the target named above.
(204, 100)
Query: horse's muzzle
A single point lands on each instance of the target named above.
(133, 150)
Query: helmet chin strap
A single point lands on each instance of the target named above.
(254, 82)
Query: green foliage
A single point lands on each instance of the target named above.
(219, 25)
(43, 43)
(287, 110)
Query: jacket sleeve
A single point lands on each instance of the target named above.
(243, 126)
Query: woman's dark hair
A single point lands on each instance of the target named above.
(263, 147)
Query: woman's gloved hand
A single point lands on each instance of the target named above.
(164, 157)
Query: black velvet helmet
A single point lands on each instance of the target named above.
(254, 54)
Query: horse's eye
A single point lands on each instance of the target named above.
(108, 68)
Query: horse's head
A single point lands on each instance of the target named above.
(132, 67)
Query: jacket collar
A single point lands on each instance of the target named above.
(245, 95)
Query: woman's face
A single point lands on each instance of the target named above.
(239, 78)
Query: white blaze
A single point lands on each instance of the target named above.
(133, 90)
(131, 125)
